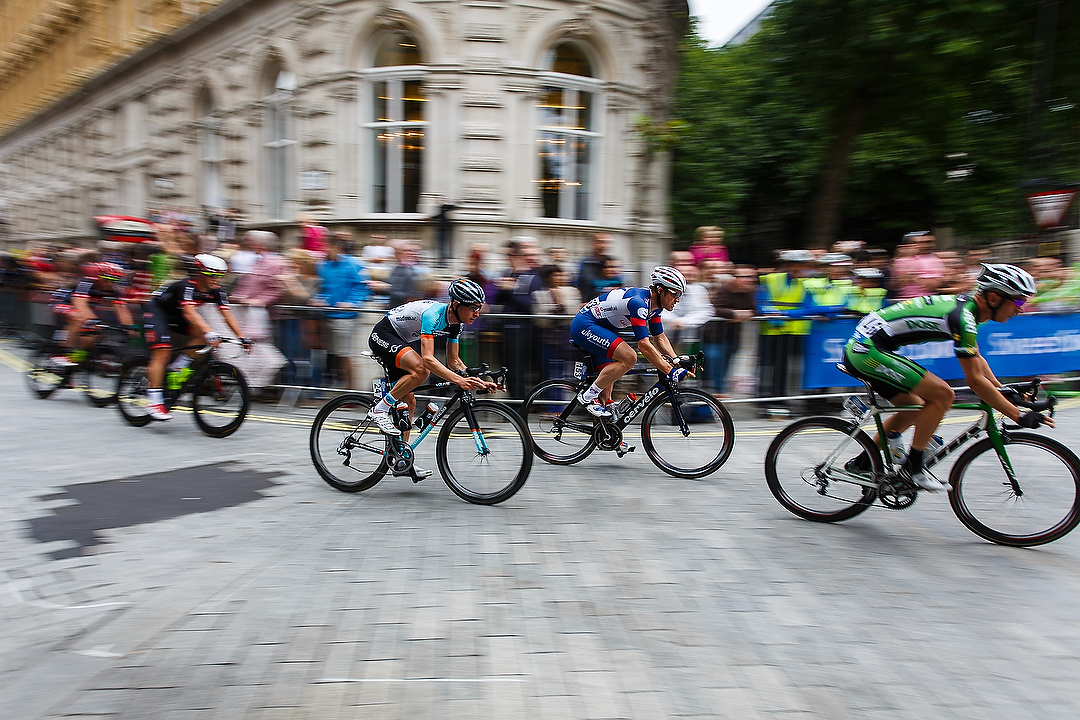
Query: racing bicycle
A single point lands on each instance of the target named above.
(96, 372)
(482, 449)
(686, 432)
(220, 398)
(1010, 487)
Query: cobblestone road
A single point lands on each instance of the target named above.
(607, 590)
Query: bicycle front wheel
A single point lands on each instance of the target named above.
(488, 463)
(220, 399)
(44, 375)
(131, 392)
(102, 376)
(804, 467)
(559, 437)
(347, 448)
(1045, 507)
(707, 443)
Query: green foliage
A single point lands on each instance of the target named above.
(946, 85)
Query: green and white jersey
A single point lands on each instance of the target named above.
(923, 319)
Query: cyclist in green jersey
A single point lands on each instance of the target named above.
(870, 354)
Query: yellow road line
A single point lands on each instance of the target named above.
(14, 362)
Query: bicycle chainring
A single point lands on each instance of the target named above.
(607, 436)
(400, 458)
(895, 493)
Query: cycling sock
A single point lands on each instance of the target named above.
(383, 406)
(913, 464)
(154, 396)
(591, 394)
(182, 361)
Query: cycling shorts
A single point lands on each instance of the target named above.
(158, 330)
(888, 373)
(389, 347)
(593, 339)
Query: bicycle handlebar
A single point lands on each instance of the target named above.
(1026, 395)
(498, 377)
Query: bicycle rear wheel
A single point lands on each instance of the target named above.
(558, 438)
(348, 450)
(1045, 509)
(219, 399)
(102, 369)
(697, 454)
(131, 392)
(804, 467)
(44, 375)
(490, 463)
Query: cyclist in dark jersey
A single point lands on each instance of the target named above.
(171, 317)
(405, 341)
(870, 354)
(76, 307)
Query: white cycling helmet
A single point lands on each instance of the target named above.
(1008, 280)
(667, 277)
(211, 265)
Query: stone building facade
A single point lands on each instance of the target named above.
(526, 115)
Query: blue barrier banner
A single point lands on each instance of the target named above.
(1027, 345)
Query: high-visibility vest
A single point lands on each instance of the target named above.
(867, 300)
(830, 293)
(784, 294)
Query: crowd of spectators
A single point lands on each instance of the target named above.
(306, 300)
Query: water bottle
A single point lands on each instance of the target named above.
(856, 406)
(933, 447)
(895, 441)
(403, 420)
(626, 403)
(427, 416)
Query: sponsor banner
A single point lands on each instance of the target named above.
(1025, 346)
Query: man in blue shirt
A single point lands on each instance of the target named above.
(344, 289)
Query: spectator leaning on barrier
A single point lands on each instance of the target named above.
(515, 296)
(733, 301)
(344, 288)
(783, 294)
(867, 295)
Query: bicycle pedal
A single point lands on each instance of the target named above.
(624, 448)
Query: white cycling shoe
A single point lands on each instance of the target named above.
(928, 482)
(158, 412)
(596, 408)
(384, 422)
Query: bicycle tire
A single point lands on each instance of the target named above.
(219, 392)
(681, 456)
(131, 391)
(1049, 476)
(473, 476)
(337, 420)
(551, 441)
(794, 478)
(43, 376)
(102, 369)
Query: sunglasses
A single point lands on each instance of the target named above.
(675, 294)
(475, 307)
(1019, 302)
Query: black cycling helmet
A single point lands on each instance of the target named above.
(1008, 280)
(467, 292)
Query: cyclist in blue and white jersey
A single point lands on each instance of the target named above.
(405, 342)
(595, 330)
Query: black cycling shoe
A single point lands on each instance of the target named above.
(859, 465)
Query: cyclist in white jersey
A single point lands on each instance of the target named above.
(405, 342)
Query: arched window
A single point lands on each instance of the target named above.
(567, 135)
(277, 87)
(398, 124)
(210, 151)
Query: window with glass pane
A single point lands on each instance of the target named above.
(276, 142)
(566, 136)
(398, 128)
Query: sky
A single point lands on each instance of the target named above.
(719, 20)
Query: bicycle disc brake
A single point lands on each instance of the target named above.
(607, 436)
(896, 493)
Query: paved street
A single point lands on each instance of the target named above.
(224, 579)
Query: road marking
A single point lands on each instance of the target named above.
(326, 681)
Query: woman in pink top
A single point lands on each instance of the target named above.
(312, 236)
(709, 244)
